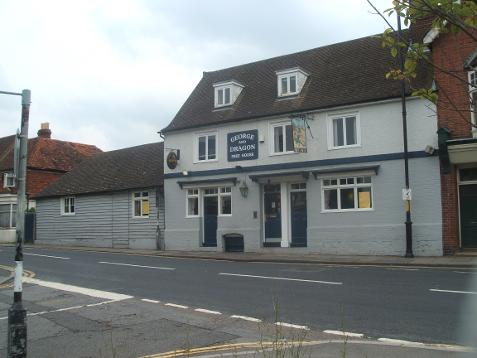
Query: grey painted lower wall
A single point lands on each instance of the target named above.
(101, 220)
(380, 231)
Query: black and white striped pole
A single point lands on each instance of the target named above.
(17, 325)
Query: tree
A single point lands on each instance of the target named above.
(442, 16)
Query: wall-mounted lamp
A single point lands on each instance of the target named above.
(429, 149)
(243, 189)
(185, 173)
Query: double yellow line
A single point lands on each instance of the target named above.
(9, 282)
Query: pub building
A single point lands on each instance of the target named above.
(303, 153)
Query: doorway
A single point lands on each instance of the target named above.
(468, 207)
(272, 213)
(211, 211)
(298, 214)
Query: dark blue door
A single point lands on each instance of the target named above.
(211, 209)
(298, 218)
(273, 212)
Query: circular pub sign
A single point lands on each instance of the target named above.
(171, 160)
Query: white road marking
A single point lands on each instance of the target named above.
(68, 308)
(246, 318)
(400, 342)
(203, 310)
(49, 256)
(343, 333)
(140, 266)
(176, 306)
(290, 325)
(281, 278)
(150, 301)
(76, 289)
(101, 303)
(450, 291)
(468, 272)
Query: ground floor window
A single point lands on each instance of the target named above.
(68, 205)
(8, 214)
(224, 202)
(192, 202)
(141, 204)
(347, 194)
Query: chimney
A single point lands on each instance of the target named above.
(45, 131)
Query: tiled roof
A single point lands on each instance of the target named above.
(340, 74)
(47, 154)
(123, 169)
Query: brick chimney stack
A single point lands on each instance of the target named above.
(45, 131)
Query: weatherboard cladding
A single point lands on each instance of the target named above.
(123, 169)
(340, 74)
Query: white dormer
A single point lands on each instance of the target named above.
(225, 93)
(290, 81)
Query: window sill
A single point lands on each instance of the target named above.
(345, 147)
(65, 214)
(283, 153)
(346, 211)
(206, 161)
(140, 217)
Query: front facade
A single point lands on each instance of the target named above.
(287, 155)
(115, 199)
(48, 160)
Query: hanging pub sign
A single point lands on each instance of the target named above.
(242, 145)
(299, 134)
(171, 160)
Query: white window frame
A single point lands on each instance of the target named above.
(140, 198)
(196, 152)
(223, 194)
(271, 131)
(68, 212)
(198, 196)
(6, 177)
(339, 186)
(287, 77)
(331, 117)
(473, 106)
(10, 224)
(216, 96)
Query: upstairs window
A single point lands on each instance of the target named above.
(343, 131)
(68, 205)
(206, 147)
(290, 81)
(282, 138)
(225, 93)
(8, 180)
(141, 204)
(473, 96)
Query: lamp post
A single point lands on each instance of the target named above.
(17, 327)
(406, 192)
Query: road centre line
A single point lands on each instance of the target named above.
(49, 256)
(76, 289)
(451, 291)
(140, 266)
(203, 310)
(150, 301)
(246, 318)
(290, 325)
(176, 305)
(343, 333)
(281, 278)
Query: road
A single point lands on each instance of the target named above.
(416, 304)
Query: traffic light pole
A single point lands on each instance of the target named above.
(17, 326)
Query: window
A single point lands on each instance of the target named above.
(225, 201)
(141, 204)
(192, 202)
(222, 97)
(343, 131)
(206, 147)
(8, 214)
(68, 205)
(473, 94)
(287, 85)
(8, 180)
(347, 194)
(282, 134)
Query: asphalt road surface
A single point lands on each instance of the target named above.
(415, 304)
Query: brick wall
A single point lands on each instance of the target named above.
(449, 52)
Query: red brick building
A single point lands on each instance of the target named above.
(48, 160)
(455, 75)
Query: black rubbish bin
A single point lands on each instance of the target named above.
(233, 242)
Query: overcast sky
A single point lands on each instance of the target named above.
(113, 73)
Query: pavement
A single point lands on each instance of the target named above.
(460, 260)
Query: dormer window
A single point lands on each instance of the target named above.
(290, 82)
(225, 93)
